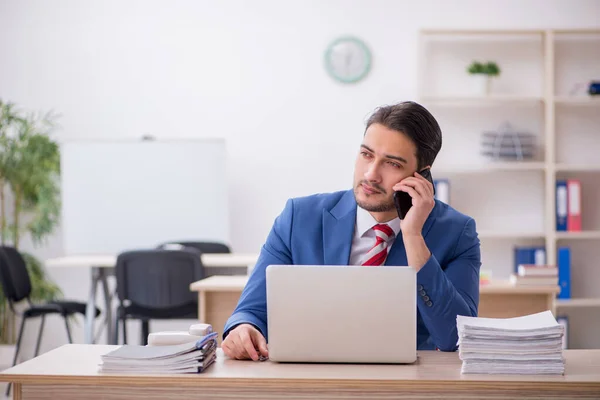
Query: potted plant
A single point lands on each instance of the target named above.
(482, 74)
(29, 198)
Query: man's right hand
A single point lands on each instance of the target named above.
(245, 342)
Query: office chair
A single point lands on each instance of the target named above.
(203, 247)
(155, 284)
(16, 285)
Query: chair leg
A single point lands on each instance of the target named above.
(17, 349)
(65, 317)
(39, 339)
(145, 331)
(124, 322)
(115, 332)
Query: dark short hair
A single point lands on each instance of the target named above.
(417, 123)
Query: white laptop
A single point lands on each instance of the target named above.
(341, 314)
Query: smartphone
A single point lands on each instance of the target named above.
(403, 201)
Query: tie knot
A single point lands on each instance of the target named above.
(383, 231)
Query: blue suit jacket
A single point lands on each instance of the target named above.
(318, 230)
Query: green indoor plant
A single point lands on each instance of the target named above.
(482, 74)
(29, 197)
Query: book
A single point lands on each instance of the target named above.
(527, 270)
(190, 357)
(534, 280)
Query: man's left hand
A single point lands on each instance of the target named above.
(421, 191)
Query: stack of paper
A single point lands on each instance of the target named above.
(524, 345)
(538, 275)
(191, 357)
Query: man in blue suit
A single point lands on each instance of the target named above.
(362, 227)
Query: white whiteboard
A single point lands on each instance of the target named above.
(119, 196)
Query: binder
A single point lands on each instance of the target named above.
(442, 190)
(574, 205)
(529, 255)
(564, 272)
(561, 205)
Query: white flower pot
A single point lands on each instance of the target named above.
(480, 84)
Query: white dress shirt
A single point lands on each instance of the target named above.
(364, 237)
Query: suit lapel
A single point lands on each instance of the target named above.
(397, 256)
(338, 230)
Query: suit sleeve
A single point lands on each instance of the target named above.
(443, 294)
(252, 305)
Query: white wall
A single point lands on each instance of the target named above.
(247, 71)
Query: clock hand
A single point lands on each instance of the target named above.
(348, 61)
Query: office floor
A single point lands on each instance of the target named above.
(3, 391)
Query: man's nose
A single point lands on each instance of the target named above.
(372, 173)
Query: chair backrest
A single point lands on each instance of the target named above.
(14, 275)
(158, 279)
(204, 247)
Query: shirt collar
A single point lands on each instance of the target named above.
(365, 221)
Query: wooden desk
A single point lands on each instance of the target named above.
(218, 296)
(71, 372)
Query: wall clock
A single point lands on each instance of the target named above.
(348, 59)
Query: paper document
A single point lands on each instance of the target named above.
(193, 357)
(531, 344)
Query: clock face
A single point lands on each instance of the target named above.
(348, 60)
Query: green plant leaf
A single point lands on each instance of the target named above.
(30, 169)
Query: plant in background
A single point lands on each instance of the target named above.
(481, 75)
(490, 68)
(29, 172)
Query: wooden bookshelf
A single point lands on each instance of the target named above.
(540, 89)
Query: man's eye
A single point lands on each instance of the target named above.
(394, 165)
(365, 154)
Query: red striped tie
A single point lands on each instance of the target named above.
(376, 256)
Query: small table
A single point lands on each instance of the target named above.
(217, 298)
(502, 299)
(103, 266)
(71, 372)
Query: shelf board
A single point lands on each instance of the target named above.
(510, 235)
(480, 101)
(478, 32)
(589, 101)
(578, 167)
(578, 235)
(492, 167)
(505, 287)
(568, 303)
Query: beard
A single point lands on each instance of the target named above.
(383, 205)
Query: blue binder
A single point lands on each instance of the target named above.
(529, 255)
(564, 272)
(561, 205)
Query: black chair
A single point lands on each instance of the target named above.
(155, 284)
(17, 287)
(203, 247)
